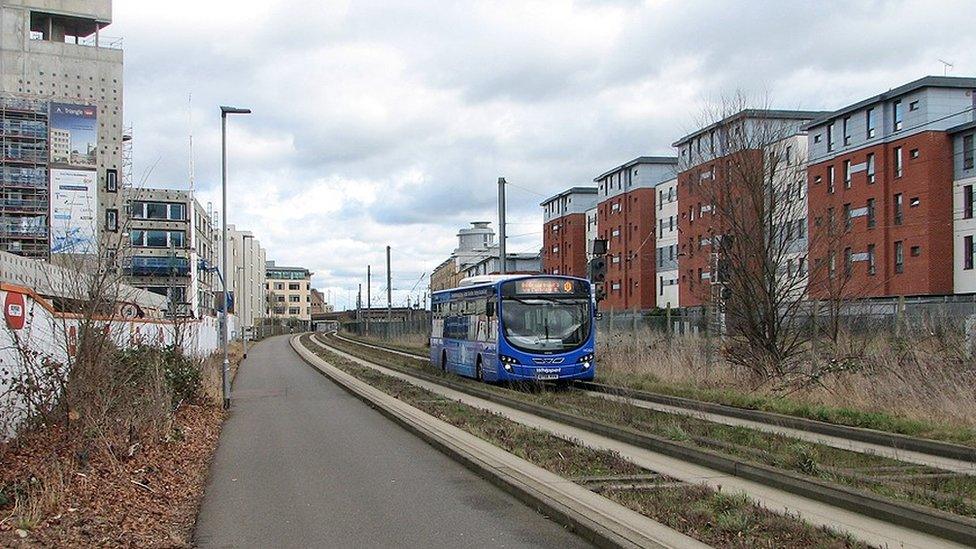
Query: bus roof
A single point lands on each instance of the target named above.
(489, 280)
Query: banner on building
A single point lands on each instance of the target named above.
(74, 135)
(73, 211)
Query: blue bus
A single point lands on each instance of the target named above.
(515, 328)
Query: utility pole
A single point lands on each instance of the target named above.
(369, 287)
(501, 225)
(389, 288)
(359, 304)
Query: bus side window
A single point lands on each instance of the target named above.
(489, 308)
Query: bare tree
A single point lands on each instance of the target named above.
(754, 212)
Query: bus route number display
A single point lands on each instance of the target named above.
(544, 286)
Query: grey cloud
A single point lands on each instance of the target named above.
(398, 117)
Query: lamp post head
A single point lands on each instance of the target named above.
(224, 110)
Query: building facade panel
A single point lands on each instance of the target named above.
(627, 219)
(564, 244)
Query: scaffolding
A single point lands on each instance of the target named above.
(24, 176)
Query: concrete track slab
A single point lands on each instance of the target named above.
(870, 530)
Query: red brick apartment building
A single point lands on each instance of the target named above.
(880, 191)
(703, 179)
(564, 246)
(626, 219)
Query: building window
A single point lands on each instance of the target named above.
(112, 181)
(159, 210)
(830, 137)
(847, 135)
(899, 257)
(967, 152)
(913, 106)
(294, 299)
(871, 265)
(899, 164)
(870, 208)
(847, 174)
(896, 115)
(816, 138)
(848, 261)
(870, 168)
(830, 179)
(967, 252)
(899, 206)
(294, 286)
(294, 310)
(915, 251)
(967, 202)
(848, 220)
(913, 153)
(112, 220)
(869, 122)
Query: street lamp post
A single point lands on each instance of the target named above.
(225, 369)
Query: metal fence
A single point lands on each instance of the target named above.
(394, 329)
(896, 317)
(273, 327)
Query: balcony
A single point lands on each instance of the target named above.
(13, 176)
(25, 204)
(157, 266)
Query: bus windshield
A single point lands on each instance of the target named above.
(546, 324)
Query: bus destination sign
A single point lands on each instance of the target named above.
(544, 286)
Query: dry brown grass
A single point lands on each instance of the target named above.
(923, 380)
(210, 385)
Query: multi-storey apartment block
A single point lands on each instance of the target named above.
(963, 218)
(475, 243)
(246, 265)
(705, 179)
(667, 244)
(170, 248)
(289, 292)
(626, 220)
(882, 169)
(60, 126)
(564, 243)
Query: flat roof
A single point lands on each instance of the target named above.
(962, 127)
(924, 82)
(569, 191)
(639, 160)
(773, 114)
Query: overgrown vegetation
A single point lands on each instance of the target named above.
(919, 385)
(730, 520)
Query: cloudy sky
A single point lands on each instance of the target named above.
(389, 122)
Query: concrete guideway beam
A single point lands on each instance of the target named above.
(867, 529)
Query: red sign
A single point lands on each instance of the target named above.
(13, 310)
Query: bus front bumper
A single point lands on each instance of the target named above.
(520, 372)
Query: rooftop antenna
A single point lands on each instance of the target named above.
(946, 67)
(189, 121)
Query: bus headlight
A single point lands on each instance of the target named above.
(508, 367)
(586, 365)
(586, 358)
(507, 362)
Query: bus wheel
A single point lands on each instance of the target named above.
(479, 371)
(444, 361)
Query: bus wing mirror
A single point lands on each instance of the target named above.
(490, 309)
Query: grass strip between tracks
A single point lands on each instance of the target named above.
(843, 478)
(843, 416)
(718, 519)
